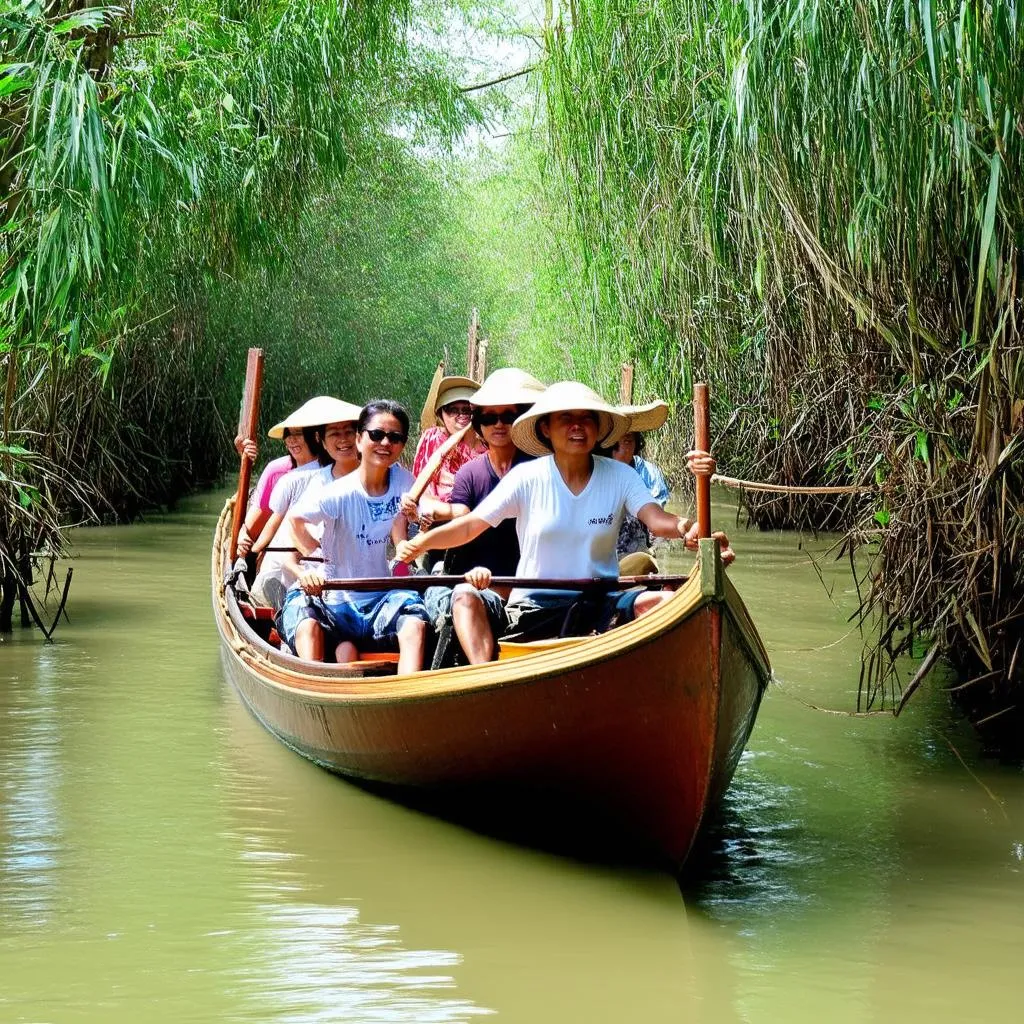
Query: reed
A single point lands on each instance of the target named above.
(819, 208)
(148, 152)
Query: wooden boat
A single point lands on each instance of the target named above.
(637, 730)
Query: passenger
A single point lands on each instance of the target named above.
(358, 513)
(447, 405)
(634, 537)
(568, 508)
(477, 615)
(258, 512)
(279, 569)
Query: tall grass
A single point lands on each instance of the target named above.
(820, 207)
(146, 151)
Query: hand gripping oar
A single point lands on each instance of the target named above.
(429, 471)
(247, 420)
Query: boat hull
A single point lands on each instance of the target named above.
(639, 730)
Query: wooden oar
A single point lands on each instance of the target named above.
(429, 471)
(423, 582)
(702, 441)
(247, 420)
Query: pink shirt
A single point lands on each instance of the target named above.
(265, 485)
(444, 480)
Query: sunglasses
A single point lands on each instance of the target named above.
(458, 410)
(392, 435)
(489, 419)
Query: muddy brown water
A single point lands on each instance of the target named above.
(162, 858)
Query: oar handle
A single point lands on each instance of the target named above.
(421, 583)
(702, 442)
(429, 471)
(247, 420)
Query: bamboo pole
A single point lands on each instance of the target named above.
(626, 384)
(247, 420)
(702, 441)
(471, 342)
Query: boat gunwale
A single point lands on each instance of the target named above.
(313, 686)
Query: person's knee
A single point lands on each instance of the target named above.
(412, 629)
(466, 599)
(648, 601)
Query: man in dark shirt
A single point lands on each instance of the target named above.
(474, 611)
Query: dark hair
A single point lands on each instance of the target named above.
(385, 405)
(314, 437)
(478, 409)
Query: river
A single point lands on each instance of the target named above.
(162, 858)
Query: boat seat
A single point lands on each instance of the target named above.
(509, 649)
(376, 663)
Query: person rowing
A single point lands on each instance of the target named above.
(634, 538)
(568, 505)
(299, 444)
(331, 424)
(475, 615)
(358, 513)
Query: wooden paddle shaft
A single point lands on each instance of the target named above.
(702, 441)
(247, 420)
(421, 583)
(429, 471)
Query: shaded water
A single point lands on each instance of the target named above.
(162, 858)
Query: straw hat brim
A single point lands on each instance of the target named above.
(646, 417)
(561, 397)
(508, 386)
(438, 386)
(315, 413)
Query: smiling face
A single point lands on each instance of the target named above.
(382, 450)
(499, 434)
(456, 415)
(297, 447)
(571, 432)
(340, 443)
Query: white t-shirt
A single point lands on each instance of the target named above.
(564, 535)
(356, 528)
(287, 491)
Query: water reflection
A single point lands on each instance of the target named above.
(30, 825)
(163, 858)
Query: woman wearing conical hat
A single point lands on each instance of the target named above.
(476, 616)
(445, 412)
(568, 505)
(634, 537)
(326, 426)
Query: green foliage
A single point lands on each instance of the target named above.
(146, 152)
(819, 208)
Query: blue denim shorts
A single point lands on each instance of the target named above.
(372, 624)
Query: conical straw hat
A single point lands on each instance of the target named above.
(316, 413)
(561, 397)
(645, 417)
(508, 386)
(442, 391)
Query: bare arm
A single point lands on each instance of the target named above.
(452, 535)
(399, 529)
(268, 532)
(304, 540)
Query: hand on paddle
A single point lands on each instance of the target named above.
(409, 507)
(312, 583)
(244, 542)
(247, 447)
(701, 463)
(480, 577)
(408, 550)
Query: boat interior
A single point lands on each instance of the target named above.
(259, 621)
